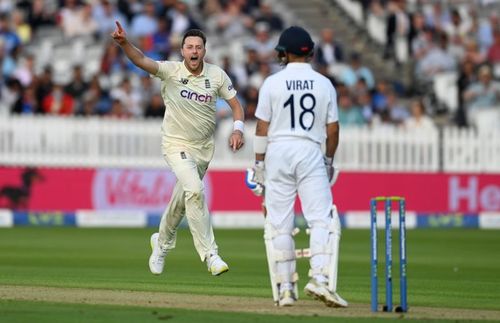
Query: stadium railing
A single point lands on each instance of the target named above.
(102, 142)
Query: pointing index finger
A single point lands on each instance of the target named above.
(120, 28)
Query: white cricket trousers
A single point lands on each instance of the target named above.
(296, 166)
(189, 164)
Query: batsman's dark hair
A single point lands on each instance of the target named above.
(194, 33)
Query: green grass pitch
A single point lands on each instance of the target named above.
(454, 268)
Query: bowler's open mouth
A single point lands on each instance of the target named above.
(194, 59)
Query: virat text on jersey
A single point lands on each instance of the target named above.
(297, 85)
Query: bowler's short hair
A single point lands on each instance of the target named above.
(194, 33)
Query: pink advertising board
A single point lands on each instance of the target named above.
(42, 189)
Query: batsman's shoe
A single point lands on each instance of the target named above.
(216, 265)
(287, 298)
(157, 258)
(321, 292)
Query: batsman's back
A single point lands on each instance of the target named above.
(298, 102)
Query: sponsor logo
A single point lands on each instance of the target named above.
(230, 87)
(132, 190)
(196, 96)
(207, 84)
(475, 196)
(184, 81)
(144, 190)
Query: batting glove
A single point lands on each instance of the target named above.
(331, 171)
(252, 184)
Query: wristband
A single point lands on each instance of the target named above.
(328, 160)
(260, 144)
(239, 125)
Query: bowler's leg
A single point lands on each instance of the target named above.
(171, 218)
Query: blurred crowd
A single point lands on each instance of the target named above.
(452, 36)
(241, 38)
(31, 84)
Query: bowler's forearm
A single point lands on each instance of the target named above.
(138, 58)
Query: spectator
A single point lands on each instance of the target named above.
(70, 18)
(156, 108)
(129, 8)
(437, 17)
(10, 39)
(322, 68)
(88, 108)
(210, 8)
(266, 15)
(398, 113)
(88, 25)
(129, 98)
(485, 93)
(24, 71)
(58, 102)
(232, 22)
(419, 121)
(29, 102)
(145, 23)
(77, 87)
(180, 21)
(236, 73)
(11, 96)
(398, 25)
(118, 110)
(252, 62)
(39, 16)
(328, 51)
(494, 50)
(262, 42)
(416, 38)
(100, 99)
(77, 20)
(486, 31)
(256, 79)
(349, 114)
(365, 103)
(20, 27)
(422, 43)
(436, 60)
(472, 52)
(251, 97)
(161, 38)
(379, 96)
(356, 70)
(466, 77)
(43, 87)
(457, 27)
(105, 14)
(147, 87)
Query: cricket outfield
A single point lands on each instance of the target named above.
(102, 275)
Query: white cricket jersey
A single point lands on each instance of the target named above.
(298, 102)
(190, 99)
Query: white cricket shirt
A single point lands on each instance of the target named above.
(298, 102)
(190, 99)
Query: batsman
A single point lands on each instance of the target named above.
(296, 114)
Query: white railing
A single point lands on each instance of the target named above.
(388, 149)
(101, 142)
(466, 150)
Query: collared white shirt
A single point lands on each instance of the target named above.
(298, 102)
(190, 99)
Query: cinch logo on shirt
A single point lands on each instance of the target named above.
(195, 96)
